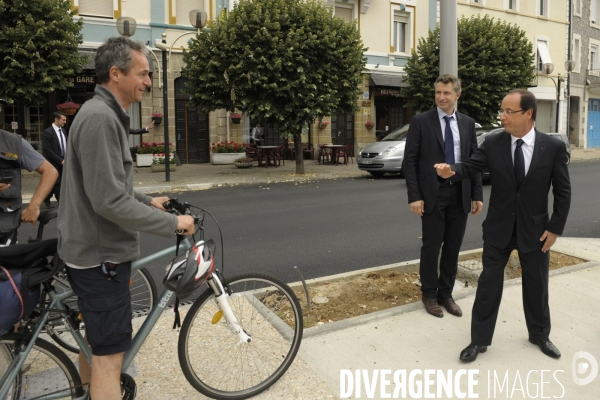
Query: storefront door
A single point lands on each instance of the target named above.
(192, 144)
(342, 128)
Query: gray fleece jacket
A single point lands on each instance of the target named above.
(99, 213)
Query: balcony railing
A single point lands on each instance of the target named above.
(593, 76)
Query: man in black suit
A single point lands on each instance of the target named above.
(435, 135)
(441, 134)
(523, 163)
(54, 146)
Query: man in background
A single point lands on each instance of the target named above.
(437, 135)
(54, 146)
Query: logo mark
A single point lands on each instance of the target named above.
(584, 363)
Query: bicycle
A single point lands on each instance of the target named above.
(237, 339)
(142, 288)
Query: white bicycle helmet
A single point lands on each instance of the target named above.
(185, 276)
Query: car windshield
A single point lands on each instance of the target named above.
(397, 134)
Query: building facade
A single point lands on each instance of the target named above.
(584, 121)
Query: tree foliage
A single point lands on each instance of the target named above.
(284, 62)
(38, 48)
(493, 58)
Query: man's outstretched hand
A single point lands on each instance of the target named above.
(444, 170)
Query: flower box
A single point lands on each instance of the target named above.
(224, 158)
(145, 160)
(161, 167)
(157, 120)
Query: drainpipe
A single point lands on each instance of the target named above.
(569, 55)
(228, 128)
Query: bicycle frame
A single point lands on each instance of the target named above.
(57, 304)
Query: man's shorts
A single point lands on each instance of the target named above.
(105, 302)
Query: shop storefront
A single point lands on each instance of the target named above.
(391, 111)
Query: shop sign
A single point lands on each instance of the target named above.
(84, 79)
(388, 92)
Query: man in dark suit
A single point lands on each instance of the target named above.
(441, 134)
(523, 163)
(54, 146)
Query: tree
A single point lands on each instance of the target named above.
(284, 62)
(493, 58)
(38, 49)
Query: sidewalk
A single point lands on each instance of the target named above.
(206, 176)
(407, 338)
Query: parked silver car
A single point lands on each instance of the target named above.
(385, 155)
(563, 138)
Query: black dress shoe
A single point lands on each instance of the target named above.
(450, 306)
(547, 347)
(432, 307)
(470, 353)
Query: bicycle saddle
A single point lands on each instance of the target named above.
(46, 215)
(23, 255)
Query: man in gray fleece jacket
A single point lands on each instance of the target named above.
(100, 215)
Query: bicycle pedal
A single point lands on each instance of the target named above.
(128, 387)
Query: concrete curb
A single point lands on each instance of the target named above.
(398, 310)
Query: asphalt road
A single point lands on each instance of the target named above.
(335, 226)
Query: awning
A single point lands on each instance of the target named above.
(543, 52)
(387, 80)
(91, 53)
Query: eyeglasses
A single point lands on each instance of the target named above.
(509, 112)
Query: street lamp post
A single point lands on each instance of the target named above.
(198, 20)
(126, 27)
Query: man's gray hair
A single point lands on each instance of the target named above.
(448, 78)
(116, 52)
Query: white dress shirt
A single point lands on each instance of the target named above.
(527, 148)
(455, 132)
(60, 136)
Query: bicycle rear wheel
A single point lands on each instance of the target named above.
(47, 371)
(143, 298)
(211, 355)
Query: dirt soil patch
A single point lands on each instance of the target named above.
(375, 291)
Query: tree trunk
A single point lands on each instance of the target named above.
(299, 154)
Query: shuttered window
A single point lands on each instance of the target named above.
(183, 8)
(96, 8)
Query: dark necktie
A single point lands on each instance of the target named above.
(519, 163)
(62, 142)
(449, 142)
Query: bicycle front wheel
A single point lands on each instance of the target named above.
(46, 373)
(143, 298)
(213, 358)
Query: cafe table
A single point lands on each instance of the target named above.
(335, 148)
(269, 153)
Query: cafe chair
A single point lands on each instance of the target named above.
(308, 151)
(292, 151)
(279, 155)
(324, 154)
(252, 152)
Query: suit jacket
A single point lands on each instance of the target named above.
(51, 148)
(425, 147)
(526, 206)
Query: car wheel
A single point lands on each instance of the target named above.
(377, 174)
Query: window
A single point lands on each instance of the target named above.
(346, 12)
(542, 8)
(594, 20)
(511, 5)
(577, 7)
(594, 65)
(400, 32)
(183, 8)
(10, 116)
(576, 54)
(96, 8)
(480, 2)
(34, 123)
(543, 55)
